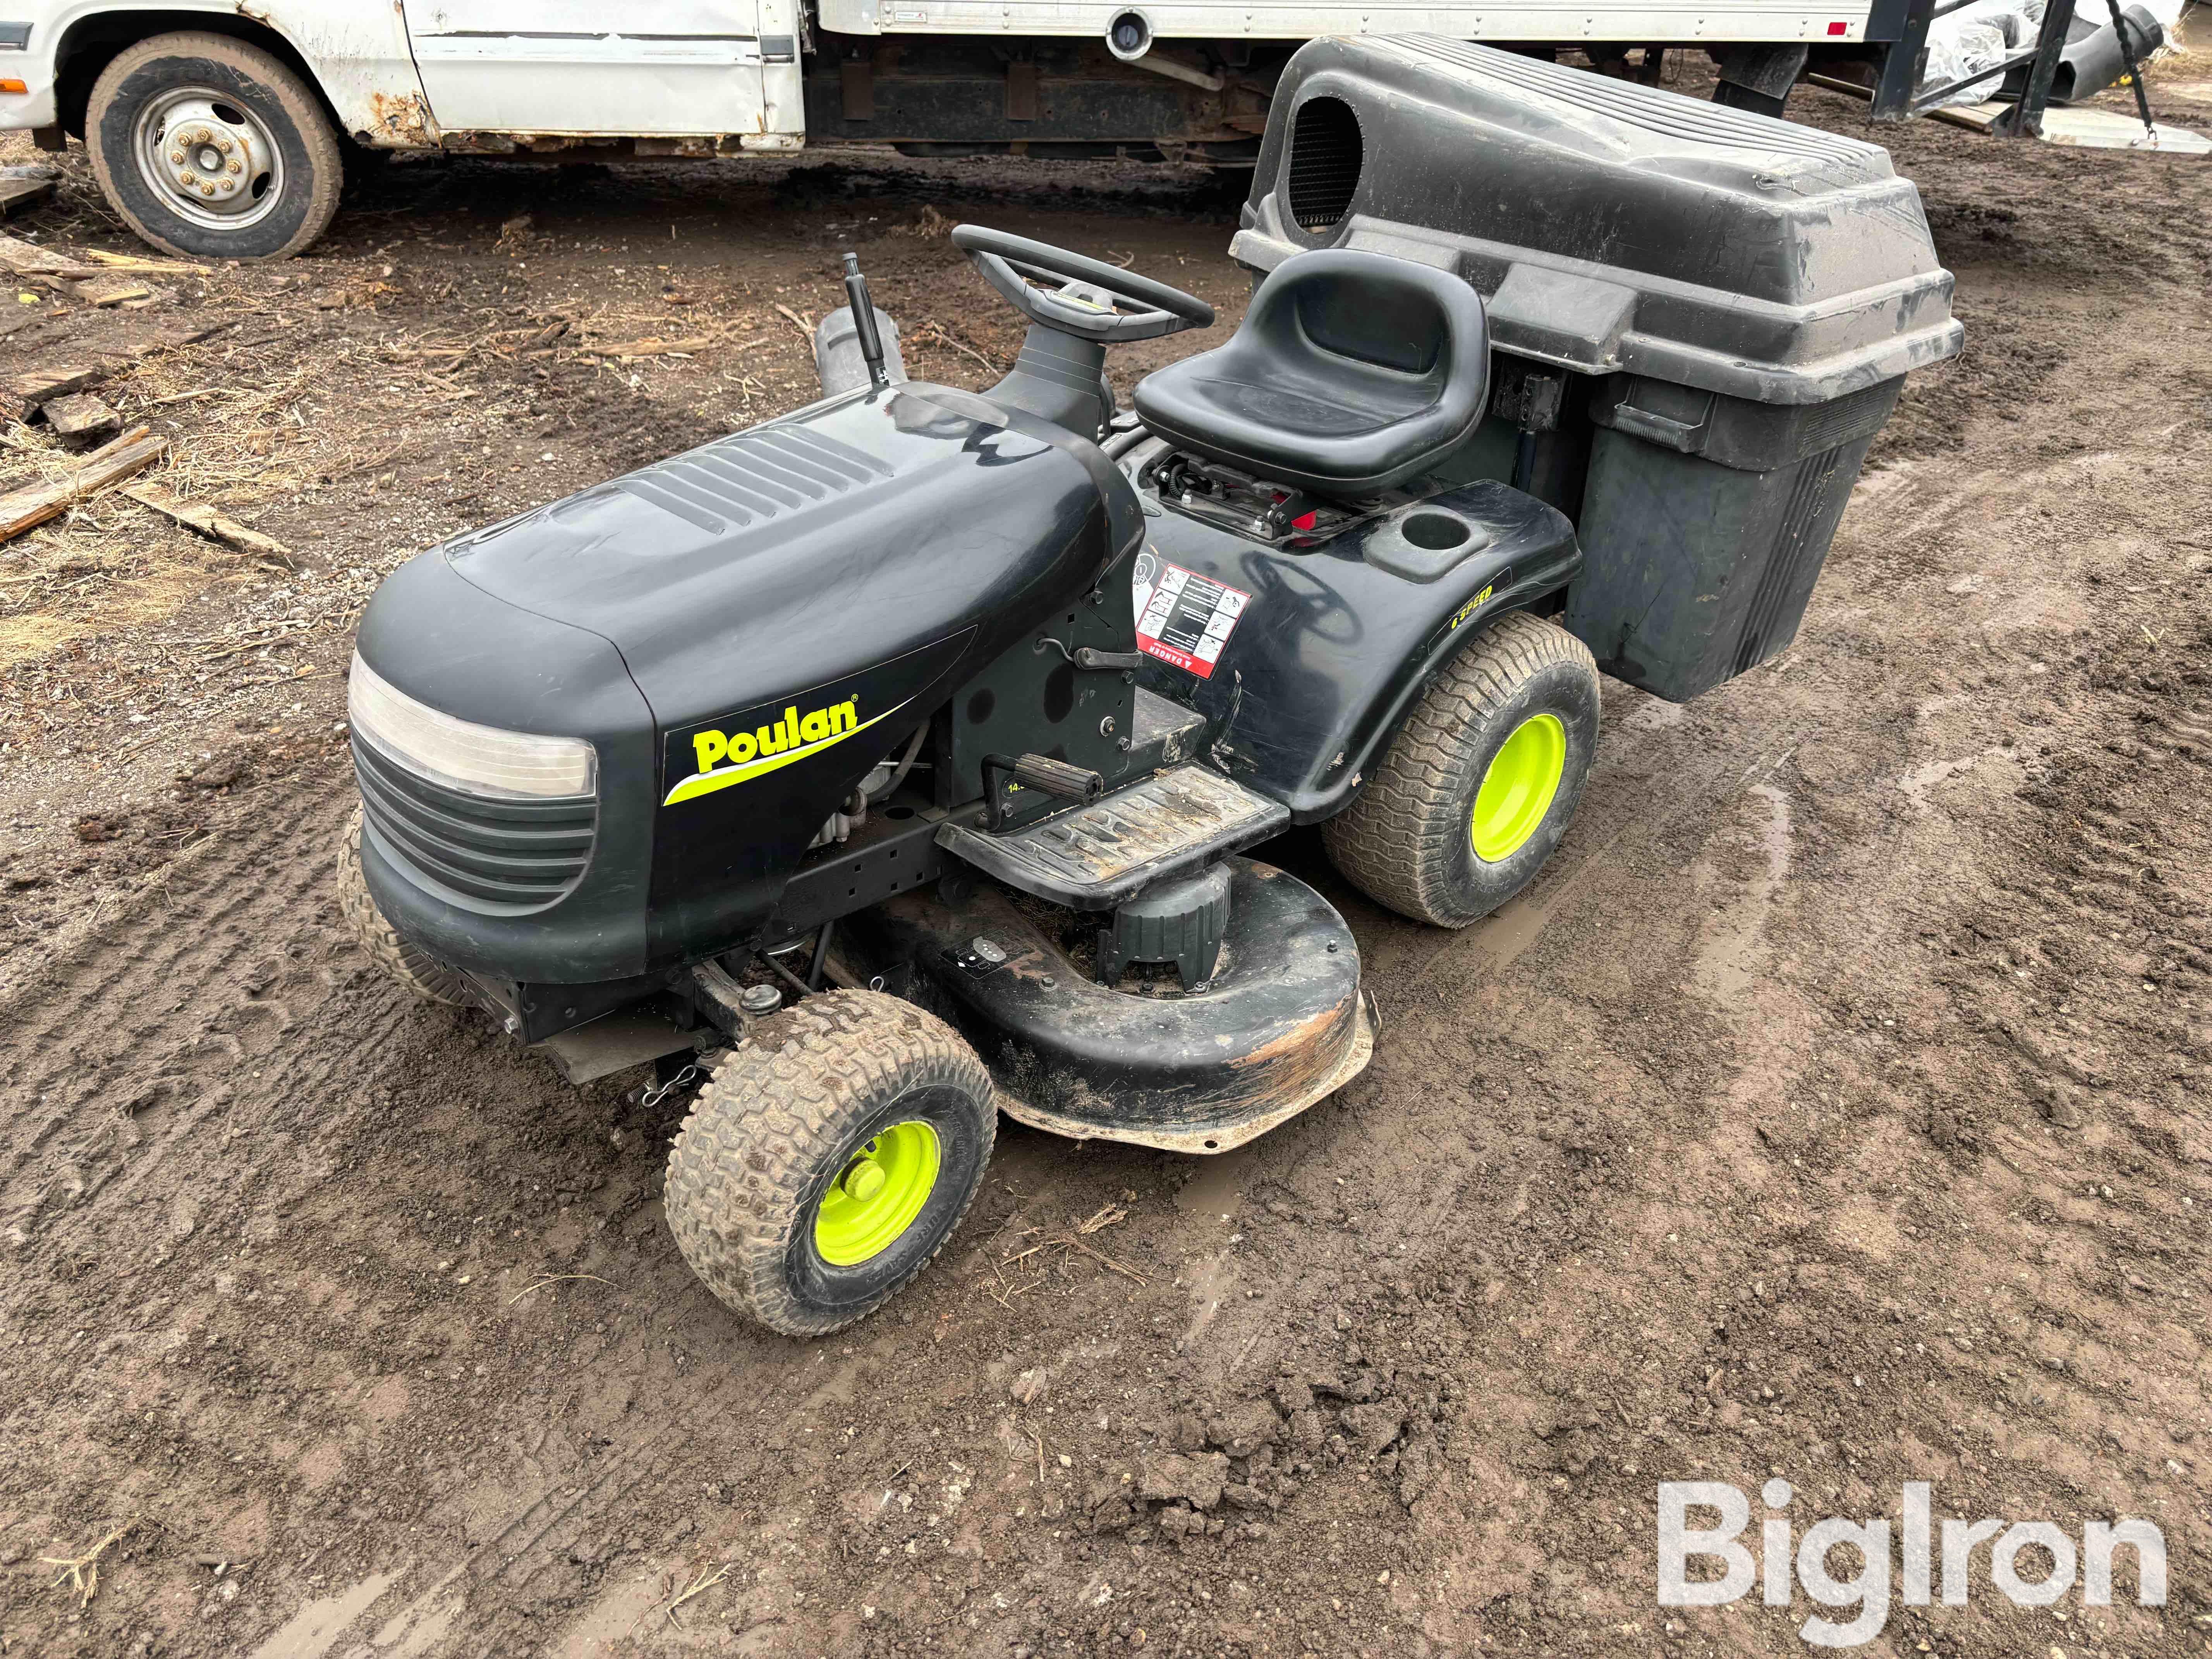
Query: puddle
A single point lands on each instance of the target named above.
(1217, 1187)
(1726, 956)
(1498, 941)
(1508, 931)
(1210, 1286)
(414, 1632)
(314, 1630)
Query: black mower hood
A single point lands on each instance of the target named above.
(742, 632)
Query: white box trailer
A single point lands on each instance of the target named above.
(222, 128)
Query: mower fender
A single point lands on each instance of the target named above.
(1332, 644)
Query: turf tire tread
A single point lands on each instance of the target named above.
(768, 1117)
(422, 973)
(1397, 841)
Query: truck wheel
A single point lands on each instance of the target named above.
(419, 972)
(1478, 784)
(816, 1177)
(212, 149)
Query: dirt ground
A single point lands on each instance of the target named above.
(1836, 1107)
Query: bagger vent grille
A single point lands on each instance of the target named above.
(495, 856)
(1660, 113)
(752, 477)
(1327, 154)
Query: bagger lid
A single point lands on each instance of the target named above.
(1608, 225)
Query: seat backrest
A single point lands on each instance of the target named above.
(1350, 372)
(1408, 333)
(1370, 308)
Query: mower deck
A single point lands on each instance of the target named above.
(1219, 1138)
(1281, 1024)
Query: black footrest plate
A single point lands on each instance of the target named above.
(1094, 857)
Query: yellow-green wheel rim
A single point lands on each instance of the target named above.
(1518, 789)
(876, 1196)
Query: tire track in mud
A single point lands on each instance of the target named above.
(636, 1472)
(213, 1043)
(250, 1012)
(1666, 779)
(120, 1055)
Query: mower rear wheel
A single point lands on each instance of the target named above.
(419, 972)
(827, 1162)
(1479, 782)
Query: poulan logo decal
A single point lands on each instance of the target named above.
(728, 757)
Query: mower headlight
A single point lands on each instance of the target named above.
(480, 759)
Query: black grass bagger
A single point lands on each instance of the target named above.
(897, 763)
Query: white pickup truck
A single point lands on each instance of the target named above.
(222, 128)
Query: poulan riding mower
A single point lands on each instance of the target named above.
(900, 761)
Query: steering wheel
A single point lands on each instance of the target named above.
(1087, 298)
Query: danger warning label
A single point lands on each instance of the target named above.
(1183, 617)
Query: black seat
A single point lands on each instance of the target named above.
(1351, 372)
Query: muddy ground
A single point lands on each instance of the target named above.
(1836, 1107)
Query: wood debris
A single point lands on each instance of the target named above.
(1107, 1215)
(935, 334)
(544, 339)
(25, 258)
(140, 262)
(20, 394)
(127, 456)
(21, 187)
(82, 1572)
(929, 227)
(202, 516)
(79, 415)
(706, 1581)
(114, 291)
(651, 346)
(29, 259)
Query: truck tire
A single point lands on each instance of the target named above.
(417, 970)
(213, 150)
(1478, 784)
(821, 1167)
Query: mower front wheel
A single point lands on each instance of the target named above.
(419, 972)
(828, 1160)
(1479, 782)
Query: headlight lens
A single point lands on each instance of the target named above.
(462, 755)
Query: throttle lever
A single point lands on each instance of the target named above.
(1049, 776)
(1089, 656)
